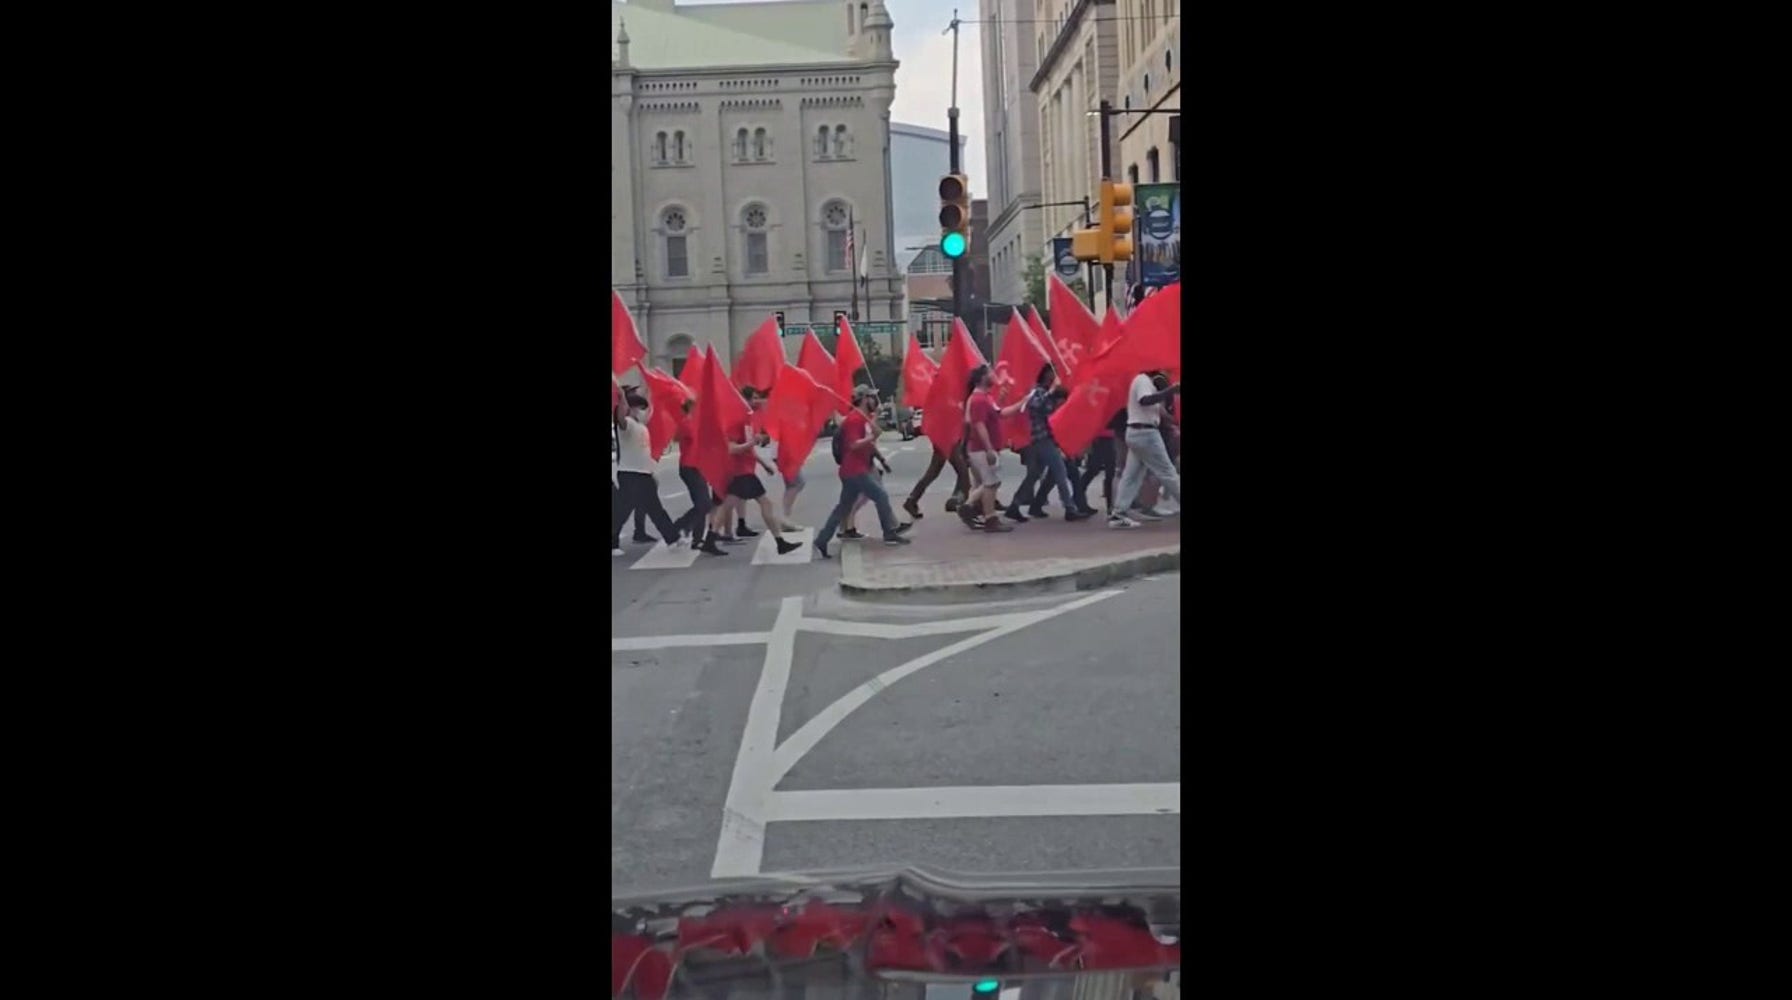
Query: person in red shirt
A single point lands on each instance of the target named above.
(859, 437)
(696, 520)
(984, 432)
(746, 485)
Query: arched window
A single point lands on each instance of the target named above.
(1132, 174)
(1166, 59)
(840, 140)
(678, 351)
(834, 218)
(821, 143)
(678, 152)
(659, 148)
(740, 144)
(678, 260)
(1127, 103)
(761, 146)
(1151, 163)
(752, 224)
(1147, 84)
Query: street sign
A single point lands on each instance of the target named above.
(863, 328)
(1065, 259)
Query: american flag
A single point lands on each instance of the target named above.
(852, 259)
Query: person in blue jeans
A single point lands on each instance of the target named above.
(860, 437)
(1045, 399)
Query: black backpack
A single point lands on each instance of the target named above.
(839, 444)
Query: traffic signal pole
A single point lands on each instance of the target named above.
(1087, 222)
(1107, 174)
(952, 152)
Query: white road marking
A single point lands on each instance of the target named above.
(811, 732)
(766, 552)
(910, 630)
(625, 644)
(740, 848)
(975, 801)
(661, 557)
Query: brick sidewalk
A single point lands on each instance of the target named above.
(947, 556)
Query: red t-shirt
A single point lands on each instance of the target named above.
(854, 461)
(687, 445)
(983, 410)
(746, 463)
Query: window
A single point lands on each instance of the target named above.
(678, 262)
(679, 148)
(833, 219)
(840, 141)
(1147, 84)
(760, 144)
(1132, 174)
(1127, 103)
(659, 148)
(821, 143)
(1166, 60)
(740, 144)
(1151, 163)
(752, 222)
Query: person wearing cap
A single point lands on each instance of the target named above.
(984, 430)
(860, 437)
(1145, 445)
(850, 528)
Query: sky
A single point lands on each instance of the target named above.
(924, 79)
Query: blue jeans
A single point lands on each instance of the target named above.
(1053, 461)
(851, 488)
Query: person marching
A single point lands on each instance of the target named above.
(983, 417)
(634, 473)
(746, 485)
(851, 529)
(1145, 446)
(855, 474)
(960, 488)
(696, 520)
(1045, 399)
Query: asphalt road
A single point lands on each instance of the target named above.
(762, 723)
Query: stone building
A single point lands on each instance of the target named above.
(1011, 137)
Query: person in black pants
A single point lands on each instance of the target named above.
(695, 521)
(1101, 461)
(634, 473)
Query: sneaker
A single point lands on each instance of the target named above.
(645, 539)
(790, 526)
(913, 508)
(897, 540)
(995, 524)
(1014, 514)
(1087, 511)
(709, 548)
(819, 547)
(1121, 521)
(785, 548)
(904, 526)
(1170, 511)
(953, 502)
(1078, 515)
(741, 530)
(852, 533)
(617, 552)
(1145, 515)
(969, 516)
(1041, 514)
(731, 540)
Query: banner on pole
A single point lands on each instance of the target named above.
(1063, 259)
(1157, 244)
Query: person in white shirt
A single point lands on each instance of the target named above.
(634, 473)
(1145, 445)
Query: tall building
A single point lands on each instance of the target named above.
(745, 140)
(1077, 45)
(919, 157)
(1150, 79)
(1011, 138)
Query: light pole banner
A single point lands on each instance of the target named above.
(1158, 242)
(1063, 259)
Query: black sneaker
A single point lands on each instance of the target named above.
(1014, 514)
(953, 502)
(741, 530)
(913, 508)
(1038, 513)
(904, 526)
(709, 547)
(819, 547)
(644, 539)
(785, 548)
(897, 540)
(1078, 515)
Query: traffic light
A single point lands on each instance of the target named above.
(986, 988)
(1115, 221)
(955, 216)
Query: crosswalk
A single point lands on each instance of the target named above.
(765, 553)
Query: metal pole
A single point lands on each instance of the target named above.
(1107, 174)
(1089, 291)
(952, 152)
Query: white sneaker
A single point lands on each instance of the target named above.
(1145, 514)
(617, 552)
(1170, 511)
(1122, 521)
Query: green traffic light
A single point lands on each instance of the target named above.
(987, 986)
(952, 245)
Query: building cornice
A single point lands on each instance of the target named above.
(1062, 42)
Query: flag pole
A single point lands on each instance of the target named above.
(853, 275)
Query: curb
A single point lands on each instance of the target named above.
(1090, 575)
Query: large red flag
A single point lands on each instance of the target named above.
(667, 395)
(1111, 330)
(848, 358)
(1152, 338)
(720, 414)
(692, 375)
(1090, 406)
(798, 407)
(762, 357)
(1051, 346)
(918, 371)
(625, 341)
(1073, 325)
(942, 419)
(1017, 371)
(816, 360)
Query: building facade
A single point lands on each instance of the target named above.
(746, 139)
(1150, 79)
(1011, 136)
(919, 157)
(1078, 50)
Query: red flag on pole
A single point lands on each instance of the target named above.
(849, 359)
(666, 395)
(1017, 371)
(943, 416)
(762, 357)
(720, 413)
(1073, 326)
(692, 375)
(796, 411)
(816, 360)
(918, 371)
(1090, 406)
(1111, 330)
(1151, 338)
(625, 341)
(1044, 337)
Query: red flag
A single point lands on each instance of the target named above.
(816, 360)
(796, 411)
(625, 341)
(1111, 330)
(918, 371)
(849, 359)
(720, 413)
(760, 360)
(1051, 346)
(1017, 371)
(692, 375)
(1073, 325)
(667, 395)
(1090, 406)
(1152, 338)
(942, 419)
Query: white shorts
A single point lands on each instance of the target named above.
(984, 473)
